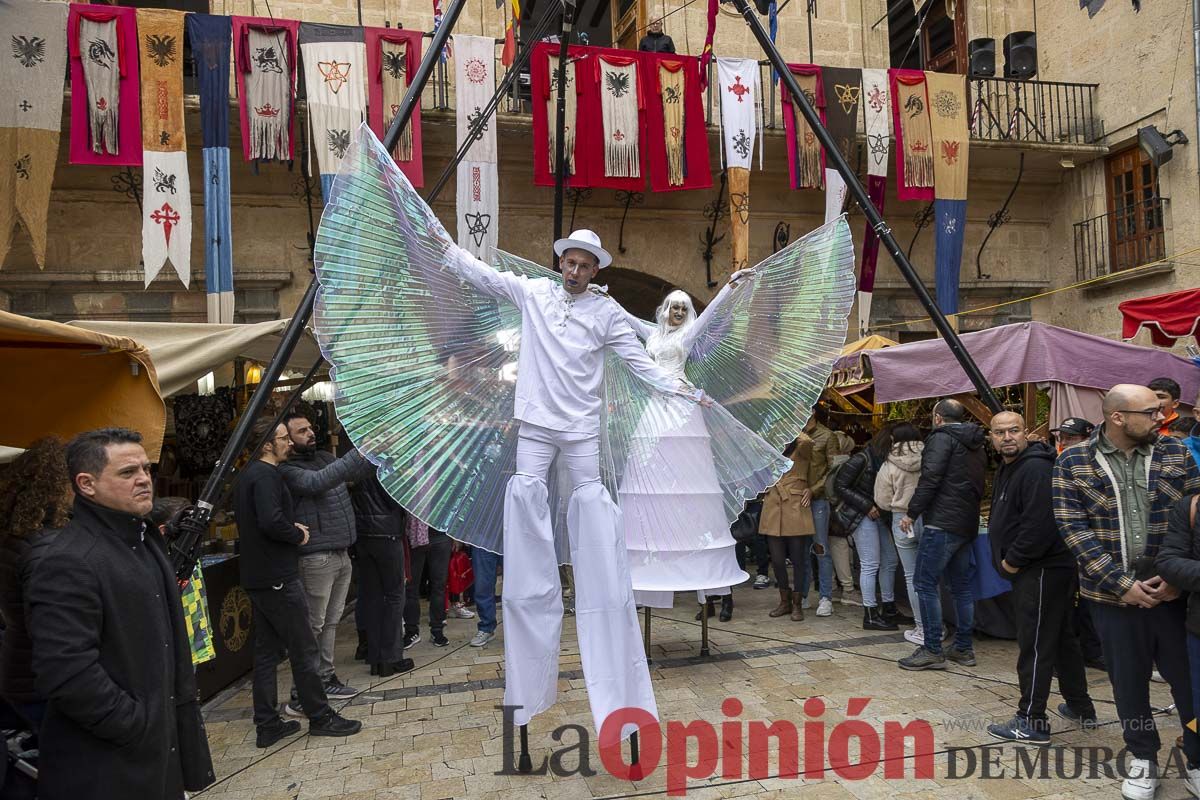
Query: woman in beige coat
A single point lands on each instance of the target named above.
(787, 522)
(894, 487)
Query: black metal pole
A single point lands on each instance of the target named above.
(194, 525)
(834, 155)
(560, 119)
(488, 110)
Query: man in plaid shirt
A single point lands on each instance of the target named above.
(1112, 494)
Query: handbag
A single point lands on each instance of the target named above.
(746, 525)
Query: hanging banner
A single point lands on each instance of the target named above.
(478, 196)
(265, 50)
(914, 141)
(878, 110)
(31, 89)
(620, 105)
(706, 55)
(951, 140)
(106, 124)
(806, 161)
(509, 53)
(842, 88)
(543, 75)
(740, 89)
(211, 37)
(167, 194)
(570, 114)
(677, 141)
(335, 82)
(393, 54)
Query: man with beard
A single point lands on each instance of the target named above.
(1026, 547)
(318, 484)
(1112, 496)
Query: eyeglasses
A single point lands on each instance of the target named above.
(1152, 412)
(576, 266)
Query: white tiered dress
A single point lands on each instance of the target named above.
(676, 528)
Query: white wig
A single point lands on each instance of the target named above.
(662, 315)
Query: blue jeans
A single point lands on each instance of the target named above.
(877, 559)
(484, 563)
(938, 552)
(820, 512)
(906, 549)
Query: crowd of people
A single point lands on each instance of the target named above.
(1106, 513)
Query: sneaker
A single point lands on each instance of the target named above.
(333, 724)
(806, 603)
(438, 639)
(923, 659)
(915, 635)
(1087, 722)
(336, 690)
(271, 733)
(825, 607)
(762, 582)
(964, 657)
(460, 611)
(411, 639)
(1142, 781)
(293, 709)
(481, 638)
(1019, 730)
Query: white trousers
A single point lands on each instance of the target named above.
(610, 645)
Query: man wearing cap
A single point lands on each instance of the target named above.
(1073, 430)
(566, 331)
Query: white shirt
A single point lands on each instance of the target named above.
(560, 371)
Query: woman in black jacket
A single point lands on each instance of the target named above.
(1178, 563)
(35, 498)
(380, 523)
(854, 487)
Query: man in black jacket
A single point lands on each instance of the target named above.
(318, 483)
(1027, 547)
(947, 499)
(110, 648)
(655, 41)
(271, 576)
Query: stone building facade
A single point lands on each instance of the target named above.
(1140, 69)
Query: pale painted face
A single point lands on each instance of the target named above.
(578, 267)
(677, 313)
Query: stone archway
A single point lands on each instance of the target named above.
(639, 292)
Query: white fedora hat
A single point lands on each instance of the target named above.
(584, 239)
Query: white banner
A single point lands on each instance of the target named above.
(166, 214)
(477, 205)
(741, 95)
(335, 79)
(878, 108)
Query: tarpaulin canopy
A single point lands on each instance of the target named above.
(1167, 316)
(63, 380)
(1027, 352)
(872, 342)
(850, 373)
(183, 352)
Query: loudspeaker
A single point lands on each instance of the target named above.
(982, 56)
(1020, 55)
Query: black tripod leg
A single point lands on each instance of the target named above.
(649, 660)
(704, 629)
(634, 756)
(524, 763)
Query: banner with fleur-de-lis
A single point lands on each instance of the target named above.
(393, 55)
(335, 85)
(620, 103)
(477, 204)
(167, 193)
(31, 86)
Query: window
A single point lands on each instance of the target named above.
(1135, 210)
(629, 19)
(941, 45)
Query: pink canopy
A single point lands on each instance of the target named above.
(1027, 352)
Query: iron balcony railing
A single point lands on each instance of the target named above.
(1122, 239)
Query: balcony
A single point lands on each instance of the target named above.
(1122, 239)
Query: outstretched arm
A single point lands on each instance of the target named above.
(642, 328)
(484, 277)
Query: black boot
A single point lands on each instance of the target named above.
(360, 652)
(874, 621)
(726, 608)
(708, 610)
(893, 615)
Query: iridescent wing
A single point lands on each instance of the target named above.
(423, 365)
(768, 351)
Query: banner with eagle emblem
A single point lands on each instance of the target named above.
(31, 88)
(265, 51)
(878, 110)
(620, 104)
(477, 205)
(335, 85)
(106, 123)
(947, 100)
(167, 194)
(393, 54)
(210, 36)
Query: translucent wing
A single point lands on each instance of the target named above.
(768, 351)
(423, 366)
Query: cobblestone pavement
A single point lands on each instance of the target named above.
(437, 732)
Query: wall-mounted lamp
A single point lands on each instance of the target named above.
(1157, 147)
(1066, 163)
